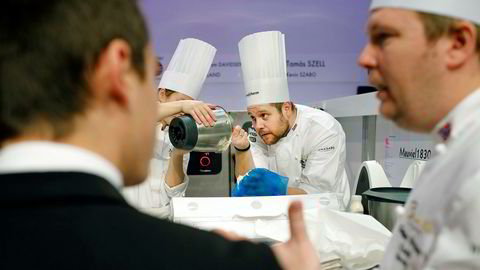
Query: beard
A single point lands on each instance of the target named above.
(275, 135)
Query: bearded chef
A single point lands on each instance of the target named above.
(302, 143)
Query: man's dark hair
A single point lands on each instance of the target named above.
(48, 48)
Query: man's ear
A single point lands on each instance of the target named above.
(162, 96)
(462, 46)
(287, 108)
(109, 78)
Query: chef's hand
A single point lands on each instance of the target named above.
(261, 182)
(240, 138)
(200, 111)
(165, 122)
(298, 252)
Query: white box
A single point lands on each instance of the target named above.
(240, 214)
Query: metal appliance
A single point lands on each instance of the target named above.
(211, 174)
(186, 134)
(385, 204)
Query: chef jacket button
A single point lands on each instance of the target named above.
(441, 148)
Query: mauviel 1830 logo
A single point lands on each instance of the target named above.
(417, 153)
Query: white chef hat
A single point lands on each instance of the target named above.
(461, 9)
(264, 67)
(188, 67)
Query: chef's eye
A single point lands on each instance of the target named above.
(380, 38)
(264, 116)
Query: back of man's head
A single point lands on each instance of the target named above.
(47, 52)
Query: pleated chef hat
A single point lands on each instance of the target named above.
(460, 9)
(264, 67)
(188, 67)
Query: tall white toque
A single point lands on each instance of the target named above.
(460, 9)
(188, 67)
(264, 67)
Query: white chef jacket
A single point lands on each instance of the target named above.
(441, 229)
(154, 191)
(312, 155)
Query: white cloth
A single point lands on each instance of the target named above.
(154, 191)
(414, 170)
(440, 228)
(45, 156)
(312, 155)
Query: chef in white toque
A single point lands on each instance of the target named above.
(305, 144)
(182, 80)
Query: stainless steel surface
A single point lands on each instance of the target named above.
(211, 185)
(216, 138)
(385, 203)
(218, 185)
(368, 137)
(385, 212)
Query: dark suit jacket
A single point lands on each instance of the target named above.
(62, 220)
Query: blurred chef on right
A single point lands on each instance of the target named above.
(424, 58)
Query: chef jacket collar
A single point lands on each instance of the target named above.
(458, 119)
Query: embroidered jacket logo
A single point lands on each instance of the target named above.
(303, 163)
(328, 148)
(252, 93)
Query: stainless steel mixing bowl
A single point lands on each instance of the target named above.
(385, 204)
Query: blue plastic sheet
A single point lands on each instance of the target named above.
(261, 182)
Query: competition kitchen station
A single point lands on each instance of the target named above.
(350, 167)
(320, 135)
